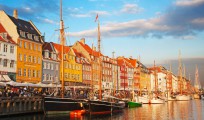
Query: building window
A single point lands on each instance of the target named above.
(5, 63)
(36, 38)
(51, 66)
(29, 36)
(34, 73)
(38, 60)
(29, 58)
(25, 45)
(20, 57)
(5, 47)
(20, 43)
(11, 49)
(34, 59)
(30, 46)
(44, 65)
(47, 77)
(34, 47)
(29, 73)
(44, 77)
(22, 33)
(39, 49)
(12, 64)
(19, 72)
(25, 58)
(24, 72)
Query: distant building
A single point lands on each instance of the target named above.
(7, 56)
(29, 49)
(51, 64)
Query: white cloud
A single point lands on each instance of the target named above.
(50, 21)
(90, 14)
(131, 9)
(188, 37)
(188, 2)
(198, 21)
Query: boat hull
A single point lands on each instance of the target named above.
(54, 105)
(95, 107)
(183, 97)
(196, 96)
(157, 101)
(134, 104)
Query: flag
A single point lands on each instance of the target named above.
(96, 18)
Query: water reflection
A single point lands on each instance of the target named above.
(172, 110)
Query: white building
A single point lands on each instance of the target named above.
(7, 56)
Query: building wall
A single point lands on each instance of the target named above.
(50, 74)
(10, 58)
(29, 61)
(9, 25)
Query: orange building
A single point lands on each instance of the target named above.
(29, 49)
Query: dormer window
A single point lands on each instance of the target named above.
(36, 38)
(46, 54)
(29, 36)
(54, 56)
(4, 35)
(22, 34)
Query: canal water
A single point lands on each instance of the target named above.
(172, 110)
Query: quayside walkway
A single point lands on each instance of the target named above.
(20, 105)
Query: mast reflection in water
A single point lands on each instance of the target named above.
(172, 110)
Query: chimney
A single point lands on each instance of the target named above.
(15, 13)
(94, 48)
(82, 40)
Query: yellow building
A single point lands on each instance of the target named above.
(72, 68)
(29, 49)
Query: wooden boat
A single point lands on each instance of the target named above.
(181, 96)
(54, 105)
(107, 105)
(132, 104)
(156, 99)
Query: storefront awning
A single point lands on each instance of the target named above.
(6, 77)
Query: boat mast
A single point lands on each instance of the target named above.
(62, 41)
(99, 52)
(155, 77)
(180, 73)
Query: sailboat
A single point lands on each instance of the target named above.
(181, 96)
(196, 85)
(107, 105)
(55, 105)
(134, 102)
(156, 99)
(170, 97)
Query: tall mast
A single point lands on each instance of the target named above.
(155, 77)
(180, 73)
(62, 41)
(100, 68)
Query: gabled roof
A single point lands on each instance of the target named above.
(133, 62)
(122, 61)
(78, 54)
(24, 25)
(89, 50)
(58, 49)
(8, 39)
(47, 46)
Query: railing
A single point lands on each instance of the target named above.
(20, 105)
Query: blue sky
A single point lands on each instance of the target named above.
(153, 30)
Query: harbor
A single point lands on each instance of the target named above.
(52, 78)
(172, 110)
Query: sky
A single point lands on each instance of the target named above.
(146, 29)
